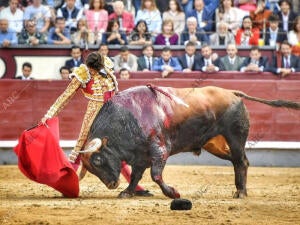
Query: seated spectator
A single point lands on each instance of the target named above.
(83, 36)
(124, 74)
(193, 33)
(103, 49)
(230, 14)
(286, 15)
(125, 18)
(222, 37)
(113, 35)
(151, 15)
(97, 18)
(166, 63)
(167, 36)
(76, 60)
(140, 34)
(64, 72)
(26, 72)
(294, 36)
(209, 62)
(255, 62)
(59, 34)
(30, 35)
(40, 13)
(8, 37)
(247, 35)
(260, 16)
(125, 60)
(187, 6)
(176, 14)
(285, 62)
(14, 15)
(71, 13)
(246, 5)
(205, 14)
(190, 58)
(146, 61)
(274, 35)
(231, 61)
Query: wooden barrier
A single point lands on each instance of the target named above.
(23, 103)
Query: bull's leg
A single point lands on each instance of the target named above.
(136, 176)
(240, 170)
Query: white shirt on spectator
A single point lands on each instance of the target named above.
(15, 20)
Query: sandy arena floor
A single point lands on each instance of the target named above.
(274, 198)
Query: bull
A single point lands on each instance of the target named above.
(145, 125)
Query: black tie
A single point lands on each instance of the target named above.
(149, 63)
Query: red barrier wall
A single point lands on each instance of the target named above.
(23, 103)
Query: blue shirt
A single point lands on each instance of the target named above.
(9, 35)
(52, 36)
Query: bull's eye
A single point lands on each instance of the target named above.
(97, 161)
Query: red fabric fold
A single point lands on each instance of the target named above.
(41, 159)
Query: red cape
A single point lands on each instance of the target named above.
(41, 159)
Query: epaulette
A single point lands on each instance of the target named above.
(81, 73)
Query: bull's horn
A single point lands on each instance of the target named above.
(93, 146)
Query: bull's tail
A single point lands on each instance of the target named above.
(274, 103)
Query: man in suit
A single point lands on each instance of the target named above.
(166, 63)
(193, 33)
(286, 15)
(76, 60)
(146, 61)
(274, 34)
(255, 62)
(26, 72)
(231, 61)
(285, 63)
(205, 14)
(189, 60)
(125, 59)
(209, 62)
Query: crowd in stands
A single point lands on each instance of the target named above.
(191, 23)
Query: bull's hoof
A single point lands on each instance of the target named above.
(125, 194)
(240, 194)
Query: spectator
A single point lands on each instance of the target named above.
(76, 60)
(140, 34)
(189, 60)
(8, 37)
(222, 37)
(209, 62)
(64, 72)
(71, 13)
(167, 36)
(125, 60)
(247, 35)
(40, 13)
(260, 16)
(205, 14)
(125, 18)
(176, 14)
(255, 62)
(26, 72)
(3, 4)
(103, 49)
(124, 74)
(146, 61)
(59, 34)
(294, 37)
(273, 6)
(97, 18)
(285, 63)
(162, 5)
(14, 16)
(83, 36)
(137, 5)
(114, 36)
(286, 15)
(246, 5)
(151, 15)
(231, 61)
(274, 35)
(166, 63)
(193, 33)
(229, 14)
(187, 6)
(30, 35)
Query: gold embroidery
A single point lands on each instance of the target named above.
(81, 73)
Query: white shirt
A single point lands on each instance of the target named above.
(15, 19)
(189, 60)
(285, 19)
(148, 61)
(231, 60)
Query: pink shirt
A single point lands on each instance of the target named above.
(97, 20)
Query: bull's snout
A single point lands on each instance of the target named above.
(113, 184)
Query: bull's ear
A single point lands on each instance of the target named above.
(104, 141)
